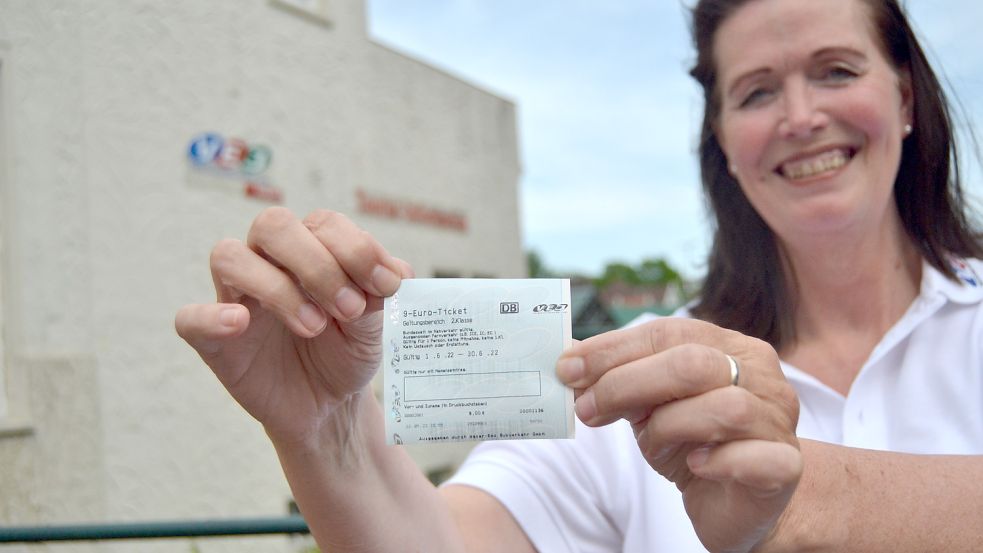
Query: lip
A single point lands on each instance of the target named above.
(815, 153)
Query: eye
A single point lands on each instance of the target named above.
(837, 74)
(755, 97)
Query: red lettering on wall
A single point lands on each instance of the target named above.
(261, 192)
(411, 212)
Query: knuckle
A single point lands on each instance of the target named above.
(605, 395)
(655, 331)
(273, 218)
(315, 276)
(283, 290)
(224, 253)
(363, 248)
(692, 365)
(788, 401)
(765, 350)
(280, 296)
(324, 285)
(612, 396)
(667, 332)
(738, 410)
(325, 219)
(653, 444)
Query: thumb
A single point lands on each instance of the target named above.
(766, 468)
(206, 327)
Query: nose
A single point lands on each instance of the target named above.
(801, 117)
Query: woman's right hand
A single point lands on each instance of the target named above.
(296, 329)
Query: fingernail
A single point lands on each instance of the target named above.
(586, 407)
(349, 302)
(312, 318)
(570, 369)
(698, 457)
(385, 281)
(229, 316)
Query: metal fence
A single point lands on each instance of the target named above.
(293, 524)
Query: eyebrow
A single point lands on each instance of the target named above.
(745, 77)
(847, 51)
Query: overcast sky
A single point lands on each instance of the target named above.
(608, 116)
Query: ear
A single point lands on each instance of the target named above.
(907, 96)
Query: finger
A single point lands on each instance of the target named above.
(720, 415)
(361, 256)
(632, 390)
(600, 353)
(238, 270)
(206, 326)
(405, 269)
(766, 468)
(670, 462)
(280, 236)
(376, 303)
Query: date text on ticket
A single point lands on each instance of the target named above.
(475, 359)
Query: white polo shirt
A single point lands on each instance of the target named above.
(921, 391)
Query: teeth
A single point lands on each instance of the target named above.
(826, 161)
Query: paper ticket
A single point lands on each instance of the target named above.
(475, 359)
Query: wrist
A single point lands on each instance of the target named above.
(335, 432)
(779, 538)
(815, 519)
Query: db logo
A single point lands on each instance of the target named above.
(550, 308)
(508, 307)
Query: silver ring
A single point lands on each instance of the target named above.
(735, 371)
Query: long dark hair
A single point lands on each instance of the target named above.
(747, 287)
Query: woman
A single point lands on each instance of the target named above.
(842, 315)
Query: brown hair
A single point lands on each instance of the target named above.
(747, 282)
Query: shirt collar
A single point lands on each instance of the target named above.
(966, 289)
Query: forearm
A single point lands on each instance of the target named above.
(357, 494)
(869, 501)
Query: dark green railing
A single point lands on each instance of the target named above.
(148, 530)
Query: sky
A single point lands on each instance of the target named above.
(608, 117)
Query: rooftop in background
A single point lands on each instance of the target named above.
(595, 311)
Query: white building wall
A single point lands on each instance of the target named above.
(106, 231)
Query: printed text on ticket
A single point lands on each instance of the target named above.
(475, 359)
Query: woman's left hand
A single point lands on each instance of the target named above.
(730, 449)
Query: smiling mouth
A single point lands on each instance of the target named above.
(820, 164)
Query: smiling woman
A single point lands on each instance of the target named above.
(604, 100)
(814, 124)
(825, 393)
(826, 151)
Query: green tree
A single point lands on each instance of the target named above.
(618, 272)
(650, 272)
(535, 265)
(658, 271)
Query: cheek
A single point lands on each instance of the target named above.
(747, 140)
(866, 110)
(879, 125)
(870, 121)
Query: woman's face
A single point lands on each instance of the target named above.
(812, 115)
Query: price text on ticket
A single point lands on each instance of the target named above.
(475, 359)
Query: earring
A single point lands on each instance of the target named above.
(733, 169)
(907, 129)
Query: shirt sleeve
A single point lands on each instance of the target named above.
(558, 490)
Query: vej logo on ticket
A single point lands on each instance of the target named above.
(464, 360)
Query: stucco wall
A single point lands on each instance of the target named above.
(107, 230)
